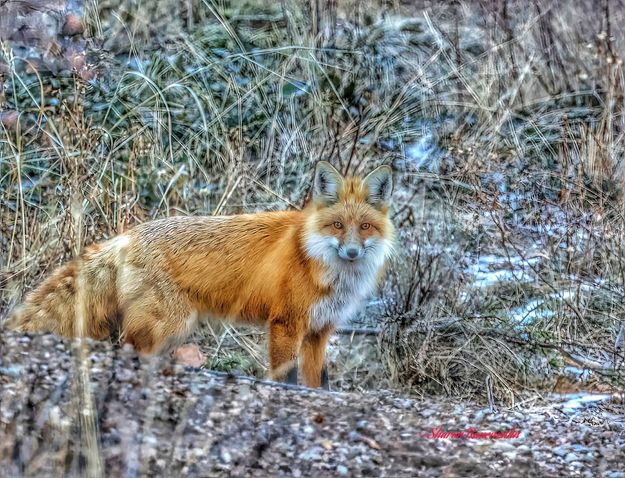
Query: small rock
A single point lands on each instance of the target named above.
(362, 425)
(571, 457)
(403, 403)
(327, 444)
(189, 355)
(12, 371)
(511, 455)
(225, 456)
(560, 451)
(73, 25)
(504, 446)
(342, 470)
(244, 391)
(479, 416)
(311, 454)
(432, 461)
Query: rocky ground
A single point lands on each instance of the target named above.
(159, 419)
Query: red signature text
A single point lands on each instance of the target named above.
(471, 434)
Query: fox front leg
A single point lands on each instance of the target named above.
(313, 357)
(325, 381)
(285, 340)
(291, 376)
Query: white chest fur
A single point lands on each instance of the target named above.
(349, 292)
(351, 285)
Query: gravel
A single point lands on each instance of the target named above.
(155, 418)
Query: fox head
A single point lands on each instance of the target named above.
(350, 224)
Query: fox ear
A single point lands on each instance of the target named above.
(379, 182)
(327, 182)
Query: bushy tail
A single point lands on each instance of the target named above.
(78, 299)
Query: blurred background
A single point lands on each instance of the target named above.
(503, 121)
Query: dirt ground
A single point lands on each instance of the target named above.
(153, 418)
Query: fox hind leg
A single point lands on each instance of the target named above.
(152, 329)
(155, 320)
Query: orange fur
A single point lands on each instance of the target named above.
(154, 282)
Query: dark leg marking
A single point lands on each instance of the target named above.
(291, 376)
(325, 382)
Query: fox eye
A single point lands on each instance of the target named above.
(364, 226)
(338, 225)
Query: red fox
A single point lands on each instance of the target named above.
(298, 272)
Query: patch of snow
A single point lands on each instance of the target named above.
(578, 373)
(575, 401)
(492, 269)
(423, 153)
(537, 309)
(532, 311)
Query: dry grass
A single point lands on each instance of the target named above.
(503, 120)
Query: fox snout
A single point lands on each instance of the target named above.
(351, 249)
(351, 253)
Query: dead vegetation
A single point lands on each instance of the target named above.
(503, 120)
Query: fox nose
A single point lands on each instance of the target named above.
(352, 252)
